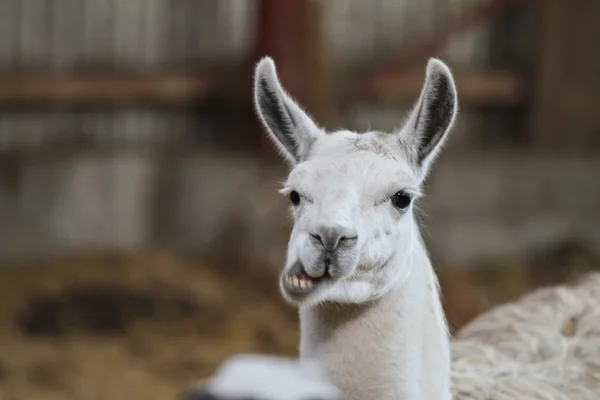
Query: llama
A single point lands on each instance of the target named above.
(359, 273)
(368, 298)
(263, 377)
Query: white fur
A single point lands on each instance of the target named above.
(376, 325)
(263, 377)
(544, 346)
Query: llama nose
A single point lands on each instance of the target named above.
(331, 236)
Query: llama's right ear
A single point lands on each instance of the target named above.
(292, 130)
(432, 118)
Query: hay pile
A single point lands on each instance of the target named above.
(125, 327)
(147, 325)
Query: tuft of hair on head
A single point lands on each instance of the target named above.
(264, 377)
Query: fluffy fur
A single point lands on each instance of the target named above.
(543, 346)
(262, 377)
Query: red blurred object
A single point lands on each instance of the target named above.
(280, 32)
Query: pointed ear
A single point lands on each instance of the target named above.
(292, 130)
(432, 117)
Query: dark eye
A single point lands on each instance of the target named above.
(401, 200)
(295, 197)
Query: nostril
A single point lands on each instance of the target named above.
(349, 239)
(316, 237)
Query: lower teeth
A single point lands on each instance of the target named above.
(299, 283)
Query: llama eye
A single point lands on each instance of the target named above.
(401, 200)
(295, 197)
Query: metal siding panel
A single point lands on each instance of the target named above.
(154, 27)
(358, 32)
(9, 32)
(67, 41)
(99, 31)
(154, 33)
(129, 41)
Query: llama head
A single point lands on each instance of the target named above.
(263, 377)
(352, 194)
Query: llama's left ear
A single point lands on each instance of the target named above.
(292, 130)
(432, 117)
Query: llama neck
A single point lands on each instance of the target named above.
(395, 347)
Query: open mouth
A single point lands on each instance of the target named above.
(298, 283)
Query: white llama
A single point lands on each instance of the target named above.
(263, 377)
(369, 303)
(357, 269)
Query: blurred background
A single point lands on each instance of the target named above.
(141, 231)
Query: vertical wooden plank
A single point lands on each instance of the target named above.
(278, 36)
(9, 33)
(34, 37)
(179, 32)
(319, 86)
(129, 44)
(67, 34)
(279, 25)
(549, 41)
(565, 78)
(155, 31)
(290, 31)
(240, 20)
(99, 29)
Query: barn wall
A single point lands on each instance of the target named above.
(63, 36)
(229, 205)
(126, 199)
(66, 34)
(52, 35)
(357, 32)
(143, 34)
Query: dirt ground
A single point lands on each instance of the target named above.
(147, 325)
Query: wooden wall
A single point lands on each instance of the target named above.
(566, 79)
(119, 74)
(66, 43)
